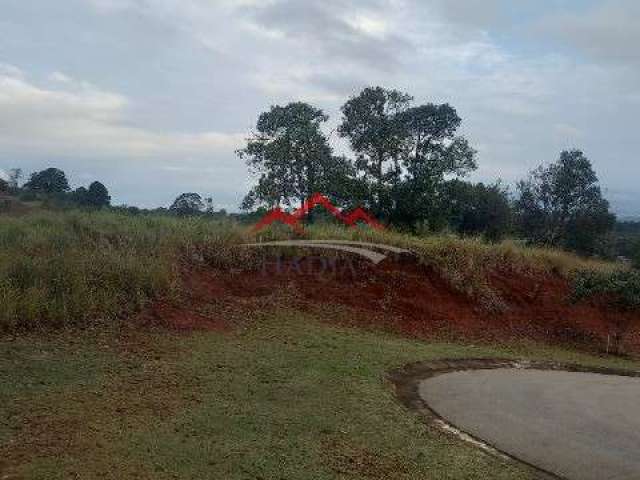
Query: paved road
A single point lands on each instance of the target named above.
(580, 426)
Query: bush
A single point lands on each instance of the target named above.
(621, 287)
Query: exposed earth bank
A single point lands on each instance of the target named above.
(407, 298)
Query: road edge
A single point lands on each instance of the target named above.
(406, 381)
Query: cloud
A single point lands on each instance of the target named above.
(159, 93)
(87, 131)
(78, 119)
(60, 78)
(112, 5)
(564, 130)
(608, 31)
(10, 71)
(338, 29)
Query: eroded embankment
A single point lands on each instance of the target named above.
(404, 297)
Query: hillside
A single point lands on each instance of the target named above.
(77, 269)
(157, 347)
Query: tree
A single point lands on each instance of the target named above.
(79, 196)
(4, 186)
(562, 205)
(187, 204)
(431, 151)
(98, 196)
(51, 180)
(292, 157)
(479, 209)
(377, 135)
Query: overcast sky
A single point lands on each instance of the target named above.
(153, 97)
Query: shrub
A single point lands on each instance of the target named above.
(622, 287)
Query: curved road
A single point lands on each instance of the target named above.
(581, 426)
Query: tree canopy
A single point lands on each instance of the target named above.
(372, 124)
(562, 205)
(98, 195)
(292, 157)
(51, 180)
(187, 204)
(479, 209)
(432, 152)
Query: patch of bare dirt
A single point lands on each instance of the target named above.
(403, 297)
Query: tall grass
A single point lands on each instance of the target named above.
(72, 268)
(58, 268)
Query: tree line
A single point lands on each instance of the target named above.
(407, 167)
(51, 184)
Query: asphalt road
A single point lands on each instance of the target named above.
(580, 426)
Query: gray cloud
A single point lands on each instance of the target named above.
(608, 31)
(340, 29)
(153, 96)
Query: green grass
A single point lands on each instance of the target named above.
(85, 395)
(78, 268)
(71, 268)
(288, 396)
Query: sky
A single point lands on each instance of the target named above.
(153, 97)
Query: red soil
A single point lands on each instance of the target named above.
(410, 299)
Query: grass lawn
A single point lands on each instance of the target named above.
(286, 397)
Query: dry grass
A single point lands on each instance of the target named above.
(73, 268)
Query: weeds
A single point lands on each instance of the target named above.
(59, 269)
(73, 268)
(621, 288)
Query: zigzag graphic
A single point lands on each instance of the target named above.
(278, 215)
(293, 219)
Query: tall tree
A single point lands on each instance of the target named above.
(98, 196)
(292, 157)
(51, 180)
(562, 205)
(479, 209)
(432, 148)
(187, 204)
(376, 134)
(432, 152)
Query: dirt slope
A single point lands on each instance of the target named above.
(407, 298)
